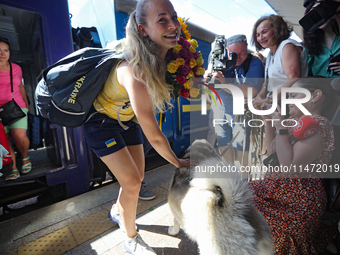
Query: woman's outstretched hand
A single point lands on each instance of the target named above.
(184, 163)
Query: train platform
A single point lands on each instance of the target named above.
(80, 225)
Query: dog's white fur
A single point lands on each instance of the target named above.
(217, 213)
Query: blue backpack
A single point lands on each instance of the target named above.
(68, 88)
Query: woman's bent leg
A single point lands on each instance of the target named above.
(125, 169)
(136, 151)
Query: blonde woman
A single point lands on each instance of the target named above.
(140, 79)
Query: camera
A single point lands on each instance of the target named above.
(318, 15)
(218, 53)
(218, 61)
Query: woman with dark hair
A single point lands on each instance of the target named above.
(293, 201)
(17, 129)
(321, 45)
(286, 59)
(153, 29)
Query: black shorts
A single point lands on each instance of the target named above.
(105, 136)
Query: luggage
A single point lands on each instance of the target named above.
(6, 159)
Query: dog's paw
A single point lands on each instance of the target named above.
(173, 231)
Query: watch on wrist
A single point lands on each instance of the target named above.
(281, 132)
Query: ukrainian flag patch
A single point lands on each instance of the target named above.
(110, 143)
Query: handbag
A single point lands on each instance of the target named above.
(271, 160)
(332, 187)
(10, 111)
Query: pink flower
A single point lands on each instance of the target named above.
(181, 79)
(184, 52)
(196, 55)
(195, 69)
(169, 54)
(187, 58)
(186, 45)
(184, 70)
(176, 56)
(180, 40)
(184, 93)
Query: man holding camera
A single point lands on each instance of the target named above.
(247, 72)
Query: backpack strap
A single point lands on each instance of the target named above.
(127, 105)
(246, 63)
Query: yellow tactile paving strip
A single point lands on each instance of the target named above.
(55, 243)
(91, 226)
(84, 230)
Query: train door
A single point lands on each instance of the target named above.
(40, 34)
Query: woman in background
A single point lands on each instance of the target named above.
(17, 130)
(321, 45)
(293, 202)
(286, 59)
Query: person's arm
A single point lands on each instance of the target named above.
(244, 87)
(291, 64)
(302, 153)
(24, 95)
(270, 135)
(143, 109)
(260, 99)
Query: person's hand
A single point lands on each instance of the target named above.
(278, 118)
(207, 73)
(184, 163)
(335, 67)
(259, 103)
(218, 74)
(266, 106)
(219, 77)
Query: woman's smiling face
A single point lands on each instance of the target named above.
(162, 25)
(265, 34)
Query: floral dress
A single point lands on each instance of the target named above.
(293, 207)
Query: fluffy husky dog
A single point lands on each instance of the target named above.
(217, 213)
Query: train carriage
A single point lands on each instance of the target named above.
(40, 33)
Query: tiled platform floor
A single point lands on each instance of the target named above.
(80, 225)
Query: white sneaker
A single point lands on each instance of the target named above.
(137, 246)
(117, 218)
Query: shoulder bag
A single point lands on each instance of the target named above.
(10, 111)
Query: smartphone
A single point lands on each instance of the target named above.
(333, 59)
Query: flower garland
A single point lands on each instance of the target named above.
(184, 62)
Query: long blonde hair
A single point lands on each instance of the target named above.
(142, 55)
